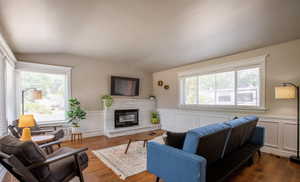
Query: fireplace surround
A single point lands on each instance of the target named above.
(126, 118)
(144, 107)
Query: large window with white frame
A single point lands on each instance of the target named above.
(54, 84)
(232, 85)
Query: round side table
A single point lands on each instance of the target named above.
(41, 139)
(76, 137)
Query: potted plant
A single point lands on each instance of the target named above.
(154, 118)
(107, 100)
(76, 114)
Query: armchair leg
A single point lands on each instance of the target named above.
(79, 171)
(157, 179)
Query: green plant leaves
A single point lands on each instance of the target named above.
(76, 113)
(108, 100)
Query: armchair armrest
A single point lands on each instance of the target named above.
(57, 158)
(40, 132)
(258, 137)
(174, 165)
(53, 126)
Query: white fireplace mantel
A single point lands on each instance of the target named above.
(145, 107)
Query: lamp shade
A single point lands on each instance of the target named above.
(285, 92)
(26, 121)
(37, 94)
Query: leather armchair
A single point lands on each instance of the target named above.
(27, 162)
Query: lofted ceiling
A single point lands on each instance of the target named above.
(152, 34)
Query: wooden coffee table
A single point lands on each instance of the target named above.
(41, 139)
(145, 137)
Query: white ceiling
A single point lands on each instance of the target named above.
(153, 34)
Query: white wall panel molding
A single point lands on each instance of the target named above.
(280, 136)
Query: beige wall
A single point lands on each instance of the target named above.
(283, 64)
(90, 78)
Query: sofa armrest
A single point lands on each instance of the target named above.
(174, 165)
(258, 137)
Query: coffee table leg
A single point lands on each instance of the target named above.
(145, 142)
(129, 142)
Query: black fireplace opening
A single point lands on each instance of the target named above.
(126, 118)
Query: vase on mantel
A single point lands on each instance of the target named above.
(107, 101)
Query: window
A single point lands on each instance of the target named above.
(233, 85)
(54, 85)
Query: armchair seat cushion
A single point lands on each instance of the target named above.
(63, 168)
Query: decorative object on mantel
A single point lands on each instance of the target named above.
(160, 83)
(107, 100)
(155, 118)
(166, 87)
(290, 91)
(152, 97)
(75, 115)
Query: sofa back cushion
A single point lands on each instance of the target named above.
(175, 140)
(241, 132)
(250, 129)
(26, 152)
(208, 141)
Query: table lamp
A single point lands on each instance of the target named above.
(290, 91)
(25, 122)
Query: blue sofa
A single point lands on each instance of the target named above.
(208, 154)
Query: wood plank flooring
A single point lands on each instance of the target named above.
(269, 168)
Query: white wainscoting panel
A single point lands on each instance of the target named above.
(93, 125)
(271, 135)
(280, 136)
(289, 136)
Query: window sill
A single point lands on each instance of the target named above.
(51, 123)
(223, 108)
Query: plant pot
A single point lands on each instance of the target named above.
(75, 129)
(107, 102)
(154, 120)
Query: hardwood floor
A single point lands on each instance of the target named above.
(268, 168)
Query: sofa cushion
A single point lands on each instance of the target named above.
(175, 140)
(208, 141)
(241, 131)
(27, 152)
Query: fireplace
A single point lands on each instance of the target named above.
(126, 118)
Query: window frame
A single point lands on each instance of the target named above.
(43, 68)
(255, 62)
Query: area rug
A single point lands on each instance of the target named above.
(125, 165)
